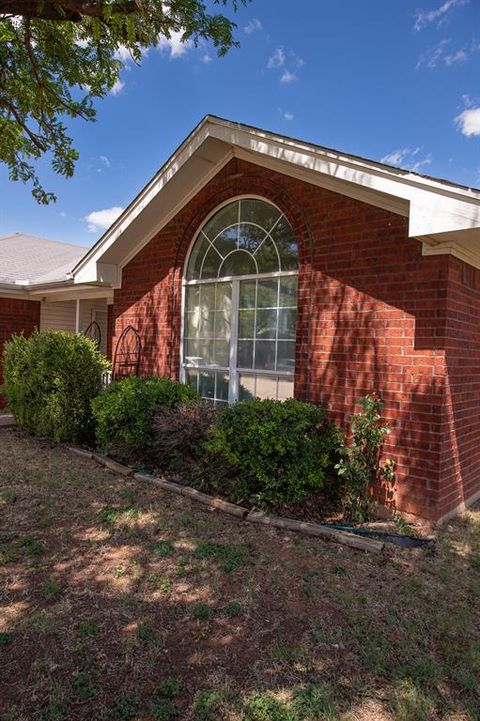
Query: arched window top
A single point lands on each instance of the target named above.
(245, 237)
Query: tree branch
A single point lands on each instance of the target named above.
(66, 11)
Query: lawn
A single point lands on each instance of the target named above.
(118, 601)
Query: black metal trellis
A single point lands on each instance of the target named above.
(93, 331)
(126, 360)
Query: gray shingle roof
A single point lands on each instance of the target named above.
(29, 260)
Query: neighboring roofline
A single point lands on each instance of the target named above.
(421, 194)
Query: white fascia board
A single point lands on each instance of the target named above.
(435, 207)
(432, 206)
(70, 293)
(11, 291)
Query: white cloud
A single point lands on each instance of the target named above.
(277, 60)
(424, 17)
(105, 161)
(252, 25)
(174, 44)
(438, 55)
(117, 88)
(458, 57)
(288, 115)
(288, 77)
(407, 158)
(62, 214)
(122, 53)
(102, 219)
(206, 59)
(468, 122)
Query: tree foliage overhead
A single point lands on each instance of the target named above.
(57, 57)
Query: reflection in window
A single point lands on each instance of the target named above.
(241, 304)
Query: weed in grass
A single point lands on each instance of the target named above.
(232, 609)
(170, 687)
(109, 515)
(314, 701)
(127, 495)
(50, 589)
(339, 570)
(144, 631)
(163, 584)
(201, 612)
(265, 707)
(8, 554)
(403, 528)
(230, 557)
(55, 711)
(31, 546)
(424, 672)
(288, 654)
(127, 706)
(87, 628)
(163, 549)
(164, 710)
(207, 705)
(83, 686)
(410, 703)
(6, 637)
(8, 496)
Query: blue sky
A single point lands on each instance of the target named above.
(396, 80)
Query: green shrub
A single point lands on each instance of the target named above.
(360, 467)
(279, 450)
(50, 380)
(124, 413)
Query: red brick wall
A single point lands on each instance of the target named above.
(371, 314)
(460, 449)
(16, 316)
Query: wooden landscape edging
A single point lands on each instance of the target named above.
(288, 524)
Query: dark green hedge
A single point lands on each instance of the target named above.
(277, 451)
(50, 380)
(124, 414)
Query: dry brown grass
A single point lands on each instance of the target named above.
(109, 588)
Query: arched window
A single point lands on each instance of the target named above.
(240, 304)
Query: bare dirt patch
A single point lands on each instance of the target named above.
(118, 601)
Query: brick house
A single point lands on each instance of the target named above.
(257, 265)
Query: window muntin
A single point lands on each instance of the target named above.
(246, 237)
(239, 328)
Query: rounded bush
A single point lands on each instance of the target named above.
(50, 380)
(124, 413)
(279, 450)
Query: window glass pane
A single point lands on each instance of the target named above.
(266, 323)
(192, 296)
(222, 352)
(267, 293)
(222, 325)
(285, 389)
(250, 237)
(211, 264)
(205, 352)
(286, 355)
(207, 296)
(192, 324)
(207, 384)
(266, 387)
(265, 354)
(192, 352)
(267, 258)
(288, 291)
(221, 391)
(191, 378)
(287, 323)
(258, 211)
(227, 240)
(238, 263)
(224, 296)
(225, 217)
(284, 239)
(246, 323)
(246, 389)
(207, 323)
(196, 257)
(245, 354)
(247, 293)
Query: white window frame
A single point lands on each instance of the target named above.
(233, 370)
